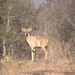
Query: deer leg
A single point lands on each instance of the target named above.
(46, 52)
(33, 54)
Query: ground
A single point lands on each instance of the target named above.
(22, 67)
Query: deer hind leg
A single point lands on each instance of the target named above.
(46, 52)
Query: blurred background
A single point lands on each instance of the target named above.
(54, 19)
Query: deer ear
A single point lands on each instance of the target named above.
(29, 29)
(23, 29)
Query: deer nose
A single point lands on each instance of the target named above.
(26, 34)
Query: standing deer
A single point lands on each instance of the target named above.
(35, 41)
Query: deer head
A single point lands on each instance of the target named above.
(26, 30)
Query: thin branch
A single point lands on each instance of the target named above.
(71, 22)
(67, 18)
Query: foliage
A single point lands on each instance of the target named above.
(3, 11)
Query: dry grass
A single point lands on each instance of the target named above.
(22, 67)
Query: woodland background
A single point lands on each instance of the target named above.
(54, 19)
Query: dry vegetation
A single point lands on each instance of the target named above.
(22, 67)
(54, 20)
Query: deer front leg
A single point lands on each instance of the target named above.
(33, 54)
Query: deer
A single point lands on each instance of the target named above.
(35, 42)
